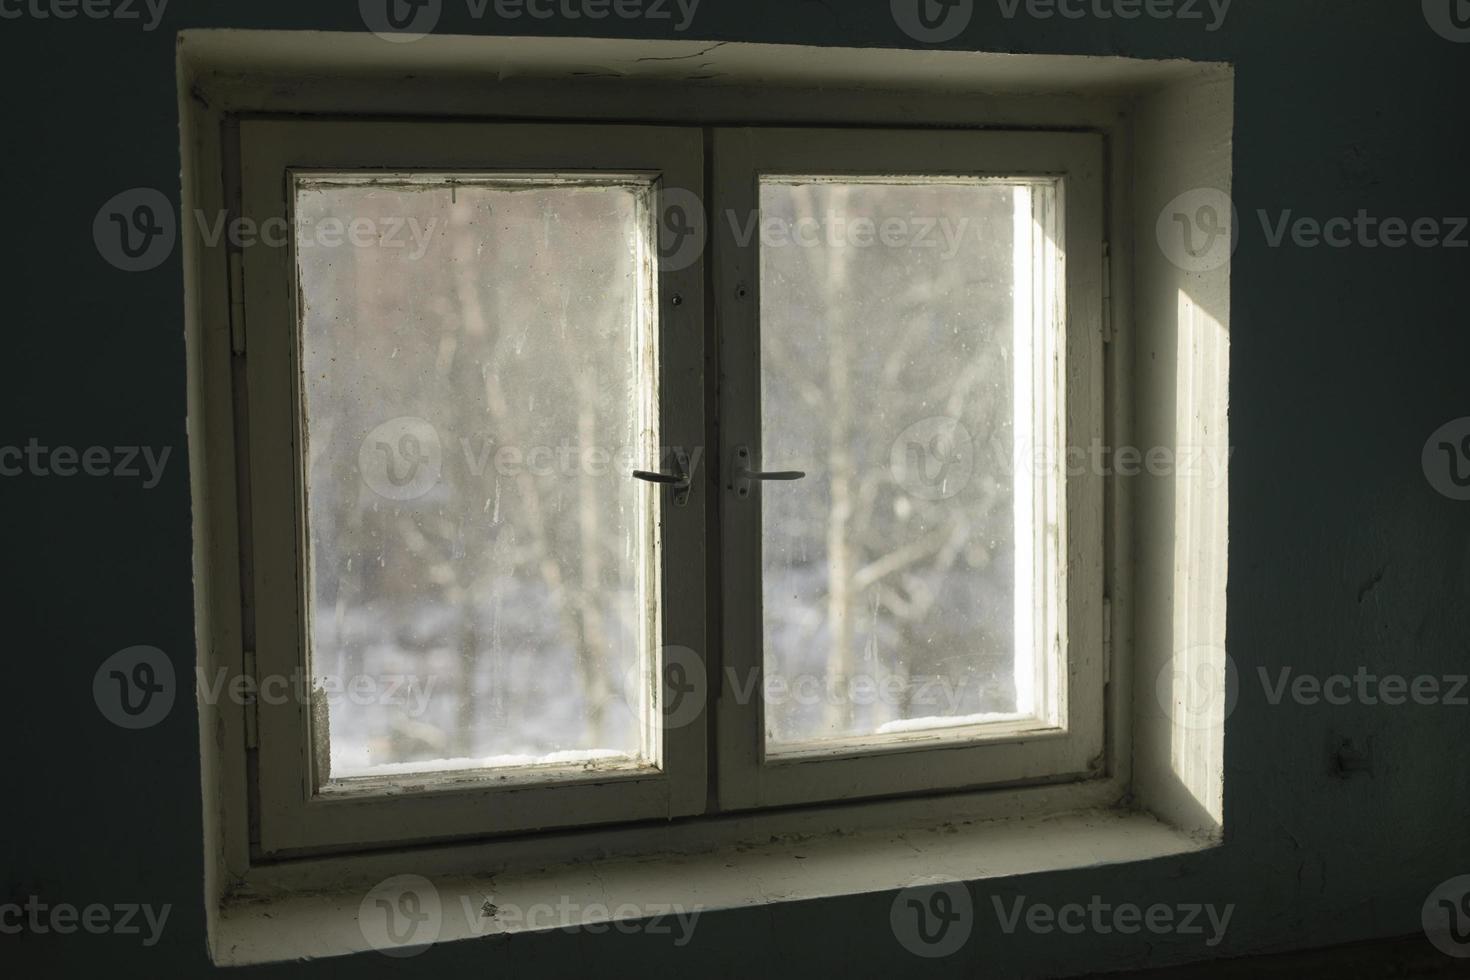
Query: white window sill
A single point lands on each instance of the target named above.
(788, 869)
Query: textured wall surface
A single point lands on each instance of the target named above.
(1342, 553)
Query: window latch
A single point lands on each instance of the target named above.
(681, 482)
(744, 475)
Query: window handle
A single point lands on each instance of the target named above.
(648, 477)
(744, 475)
(681, 481)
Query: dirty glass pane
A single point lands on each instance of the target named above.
(891, 339)
(475, 397)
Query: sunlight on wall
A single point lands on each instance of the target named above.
(1201, 454)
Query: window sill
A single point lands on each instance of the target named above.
(783, 869)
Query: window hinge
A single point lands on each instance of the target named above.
(1107, 638)
(252, 704)
(1107, 294)
(237, 302)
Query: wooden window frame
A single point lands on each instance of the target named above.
(296, 811)
(294, 815)
(1061, 748)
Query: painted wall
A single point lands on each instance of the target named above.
(1342, 552)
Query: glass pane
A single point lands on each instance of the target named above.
(475, 389)
(896, 345)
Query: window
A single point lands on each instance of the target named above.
(910, 328)
(485, 490)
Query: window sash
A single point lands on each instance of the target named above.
(295, 813)
(997, 755)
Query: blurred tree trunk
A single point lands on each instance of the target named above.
(841, 471)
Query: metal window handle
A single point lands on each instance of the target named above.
(681, 481)
(744, 475)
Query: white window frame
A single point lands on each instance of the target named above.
(297, 812)
(1069, 367)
